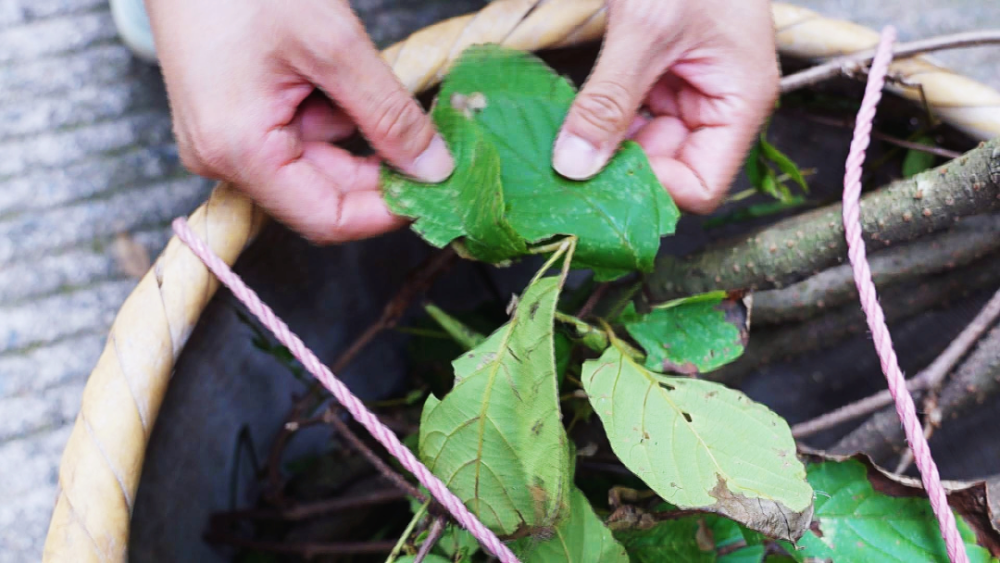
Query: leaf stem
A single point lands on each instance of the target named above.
(406, 533)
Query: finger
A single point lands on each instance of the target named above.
(599, 119)
(318, 120)
(355, 75)
(662, 136)
(699, 172)
(319, 190)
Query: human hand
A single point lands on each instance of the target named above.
(707, 73)
(246, 82)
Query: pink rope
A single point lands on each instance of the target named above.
(353, 405)
(873, 311)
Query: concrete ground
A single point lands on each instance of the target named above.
(89, 179)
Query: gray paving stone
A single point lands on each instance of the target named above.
(90, 104)
(77, 267)
(102, 64)
(67, 361)
(65, 147)
(55, 35)
(27, 493)
(89, 178)
(52, 318)
(25, 415)
(29, 235)
(17, 12)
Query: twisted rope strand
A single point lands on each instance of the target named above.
(350, 402)
(873, 311)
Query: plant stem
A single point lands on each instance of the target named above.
(418, 281)
(437, 528)
(930, 377)
(849, 124)
(318, 508)
(305, 550)
(801, 246)
(406, 533)
(851, 64)
(332, 416)
(975, 380)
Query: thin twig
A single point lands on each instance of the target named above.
(306, 550)
(332, 416)
(319, 508)
(593, 300)
(850, 64)
(907, 458)
(930, 378)
(849, 124)
(437, 528)
(398, 546)
(418, 281)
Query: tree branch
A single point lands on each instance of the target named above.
(976, 379)
(930, 378)
(968, 241)
(906, 300)
(798, 247)
(852, 64)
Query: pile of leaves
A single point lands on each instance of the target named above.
(699, 471)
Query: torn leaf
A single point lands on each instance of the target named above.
(700, 445)
(692, 335)
(500, 110)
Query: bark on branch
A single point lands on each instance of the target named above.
(970, 240)
(908, 299)
(805, 245)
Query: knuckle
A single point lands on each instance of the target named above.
(605, 106)
(398, 118)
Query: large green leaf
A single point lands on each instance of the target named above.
(500, 108)
(692, 335)
(854, 522)
(701, 445)
(581, 538)
(690, 539)
(496, 439)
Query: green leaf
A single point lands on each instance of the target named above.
(701, 445)
(691, 538)
(500, 110)
(430, 558)
(496, 439)
(693, 335)
(581, 538)
(754, 168)
(675, 540)
(853, 522)
(457, 544)
(783, 163)
(466, 337)
(916, 161)
(748, 554)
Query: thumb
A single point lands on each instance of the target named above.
(600, 117)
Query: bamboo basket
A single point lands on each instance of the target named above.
(102, 463)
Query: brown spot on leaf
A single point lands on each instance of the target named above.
(687, 368)
(769, 517)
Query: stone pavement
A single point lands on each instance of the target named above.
(86, 155)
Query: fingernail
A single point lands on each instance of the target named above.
(434, 164)
(576, 158)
